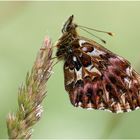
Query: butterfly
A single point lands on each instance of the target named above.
(95, 77)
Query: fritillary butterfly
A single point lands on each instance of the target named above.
(96, 78)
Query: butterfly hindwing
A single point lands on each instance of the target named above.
(99, 79)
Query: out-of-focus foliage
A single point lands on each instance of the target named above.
(22, 27)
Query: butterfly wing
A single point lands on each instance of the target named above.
(96, 78)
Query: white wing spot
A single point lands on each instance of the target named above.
(126, 80)
(79, 104)
(81, 42)
(123, 98)
(89, 108)
(129, 110)
(137, 107)
(84, 49)
(101, 108)
(95, 52)
(89, 105)
(108, 110)
(129, 71)
(74, 58)
(91, 68)
(79, 74)
(119, 111)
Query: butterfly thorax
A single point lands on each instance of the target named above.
(65, 46)
(69, 35)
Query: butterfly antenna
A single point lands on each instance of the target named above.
(109, 33)
(94, 35)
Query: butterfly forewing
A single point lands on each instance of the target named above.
(96, 78)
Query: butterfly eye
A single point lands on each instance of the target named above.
(68, 28)
(67, 24)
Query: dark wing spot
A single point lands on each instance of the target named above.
(100, 92)
(86, 47)
(79, 83)
(117, 71)
(69, 86)
(85, 59)
(108, 87)
(69, 63)
(112, 79)
(79, 97)
(89, 92)
(71, 66)
(77, 63)
(102, 65)
(103, 56)
(87, 79)
(97, 78)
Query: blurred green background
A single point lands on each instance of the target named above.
(23, 26)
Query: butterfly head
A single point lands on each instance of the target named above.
(69, 34)
(69, 25)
